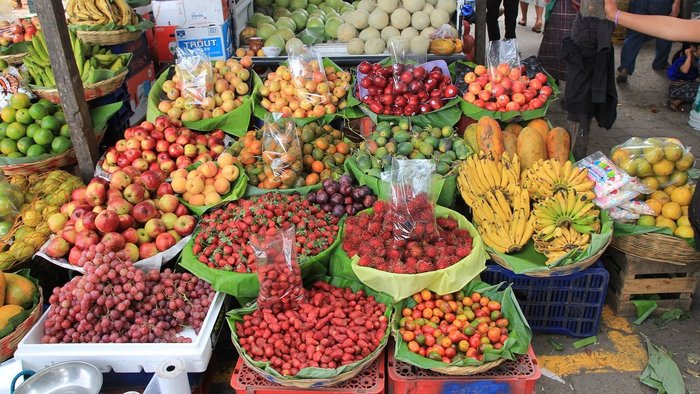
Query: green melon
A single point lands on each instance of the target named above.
(346, 8)
(299, 17)
(315, 22)
(280, 12)
(285, 33)
(287, 22)
(332, 25)
(266, 30)
(293, 45)
(275, 41)
(262, 19)
(298, 4)
(282, 3)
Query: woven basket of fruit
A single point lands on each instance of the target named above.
(92, 90)
(21, 308)
(322, 369)
(105, 24)
(463, 351)
(108, 37)
(656, 246)
(13, 59)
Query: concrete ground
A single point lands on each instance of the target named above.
(614, 364)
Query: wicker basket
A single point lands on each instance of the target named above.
(315, 383)
(13, 59)
(9, 343)
(557, 271)
(64, 159)
(108, 37)
(657, 247)
(92, 90)
(469, 370)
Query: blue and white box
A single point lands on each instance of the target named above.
(214, 39)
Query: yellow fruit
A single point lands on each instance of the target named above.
(196, 199)
(19, 291)
(684, 210)
(660, 196)
(671, 210)
(653, 154)
(628, 166)
(651, 182)
(643, 167)
(225, 159)
(673, 151)
(684, 232)
(663, 167)
(682, 196)
(686, 161)
(669, 189)
(212, 198)
(683, 221)
(194, 185)
(647, 221)
(655, 205)
(7, 312)
(665, 222)
(620, 155)
(663, 181)
(179, 185)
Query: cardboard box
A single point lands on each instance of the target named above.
(165, 43)
(138, 87)
(190, 12)
(214, 39)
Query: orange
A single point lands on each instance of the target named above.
(342, 147)
(317, 166)
(655, 205)
(311, 179)
(682, 196)
(671, 210)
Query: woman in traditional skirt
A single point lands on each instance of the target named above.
(558, 21)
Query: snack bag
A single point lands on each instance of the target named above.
(622, 215)
(195, 75)
(281, 152)
(306, 67)
(638, 207)
(622, 195)
(654, 160)
(281, 288)
(607, 176)
(412, 213)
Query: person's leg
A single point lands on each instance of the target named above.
(663, 47)
(633, 43)
(538, 21)
(511, 16)
(492, 14)
(523, 13)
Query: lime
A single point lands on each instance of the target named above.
(65, 131)
(5, 225)
(24, 143)
(60, 116)
(38, 111)
(51, 123)
(43, 136)
(16, 130)
(3, 65)
(32, 128)
(51, 107)
(3, 130)
(61, 144)
(8, 114)
(35, 150)
(20, 100)
(15, 155)
(7, 146)
(22, 116)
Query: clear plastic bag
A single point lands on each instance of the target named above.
(412, 213)
(444, 31)
(622, 215)
(195, 76)
(593, 9)
(404, 64)
(306, 67)
(281, 288)
(657, 161)
(11, 199)
(11, 82)
(281, 151)
(626, 193)
(607, 176)
(638, 207)
(502, 52)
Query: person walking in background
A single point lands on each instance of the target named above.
(510, 10)
(558, 21)
(539, 10)
(634, 40)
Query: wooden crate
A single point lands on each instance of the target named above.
(632, 276)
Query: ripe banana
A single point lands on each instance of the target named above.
(503, 228)
(549, 177)
(569, 210)
(92, 12)
(481, 174)
(568, 241)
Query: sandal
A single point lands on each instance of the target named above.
(522, 23)
(677, 107)
(537, 28)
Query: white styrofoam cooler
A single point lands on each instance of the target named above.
(125, 357)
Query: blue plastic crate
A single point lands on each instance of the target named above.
(568, 305)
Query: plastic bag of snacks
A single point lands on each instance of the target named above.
(279, 275)
(622, 195)
(194, 72)
(281, 152)
(659, 162)
(306, 67)
(412, 215)
(607, 176)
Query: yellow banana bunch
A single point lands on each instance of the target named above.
(549, 177)
(479, 175)
(565, 211)
(558, 247)
(504, 227)
(100, 12)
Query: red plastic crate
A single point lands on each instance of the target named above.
(369, 381)
(516, 377)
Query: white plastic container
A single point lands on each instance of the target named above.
(125, 357)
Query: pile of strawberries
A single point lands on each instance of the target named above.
(392, 240)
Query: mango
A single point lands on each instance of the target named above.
(7, 312)
(19, 291)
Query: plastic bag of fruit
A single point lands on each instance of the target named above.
(11, 199)
(278, 270)
(464, 348)
(405, 62)
(281, 151)
(306, 67)
(658, 162)
(502, 52)
(193, 69)
(11, 82)
(411, 216)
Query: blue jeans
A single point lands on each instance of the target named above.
(634, 40)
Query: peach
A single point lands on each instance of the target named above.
(209, 181)
(195, 174)
(196, 199)
(222, 186)
(179, 185)
(230, 172)
(208, 189)
(179, 173)
(225, 159)
(208, 169)
(212, 198)
(186, 196)
(195, 185)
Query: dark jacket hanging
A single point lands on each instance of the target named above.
(590, 90)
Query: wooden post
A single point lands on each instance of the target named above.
(480, 32)
(69, 84)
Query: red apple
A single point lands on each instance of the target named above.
(147, 250)
(168, 203)
(485, 95)
(162, 122)
(469, 97)
(148, 143)
(181, 210)
(512, 106)
(518, 87)
(503, 69)
(470, 77)
(154, 227)
(541, 77)
(69, 233)
(132, 171)
(168, 166)
(183, 162)
(140, 164)
(535, 103)
(132, 251)
(162, 146)
(57, 247)
(535, 84)
(135, 193)
(74, 256)
(130, 235)
(114, 241)
(502, 100)
(152, 179)
(78, 194)
(86, 238)
(518, 98)
(95, 194)
(176, 150)
(154, 166)
(144, 211)
(106, 221)
(479, 103)
(169, 219)
(164, 242)
(149, 156)
(147, 126)
(190, 150)
(143, 236)
(125, 222)
(184, 225)
(170, 134)
(119, 180)
(491, 106)
(132, 153)
(163, 189)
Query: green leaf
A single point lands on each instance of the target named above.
(14, 49)
(661, 371)
(644, 309)
(585, 342)
(556, 345)
(671, 315)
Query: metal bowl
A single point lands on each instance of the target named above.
(71, 377)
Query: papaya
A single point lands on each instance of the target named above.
(558, 144)
(7, 312)
(489, 137)
(541, 126)
(470, 137)
(531, 147)
(19, 291)
(510, 142)
(514, 128)
(2, 288)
